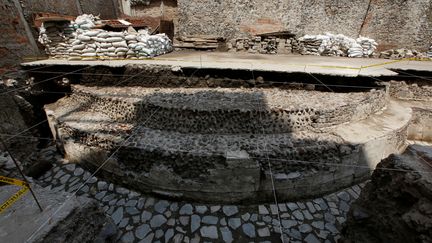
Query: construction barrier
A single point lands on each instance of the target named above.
(24, 188)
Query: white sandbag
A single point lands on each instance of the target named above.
(76, 42)
(121, 49)
(91, 33)
(130, 37)
(88, 54)
(105, 45)
(87, 26)
(120, 44)
(89, 50)
(114, 39)
(103, 35)
(91, 45)
(138, 47)
(78, 47)
(98, 39)
(116, 34)
(84, 38)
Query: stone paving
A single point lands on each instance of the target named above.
(143, 218)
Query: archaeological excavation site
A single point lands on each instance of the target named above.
(216, 121)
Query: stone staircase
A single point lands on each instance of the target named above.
(203, 144)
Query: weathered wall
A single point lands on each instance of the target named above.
(394, 23)
(17, 42)
(14, 42)
(156, 8)
(106, 8)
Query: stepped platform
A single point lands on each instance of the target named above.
(226, 145)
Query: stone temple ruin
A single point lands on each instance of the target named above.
(268, 130)
(204, 143)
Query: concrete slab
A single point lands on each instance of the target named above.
(380, 134)
(23, 221)
(337, 66)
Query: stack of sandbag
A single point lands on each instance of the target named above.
(310, 44)
(98, 44)
(86, 21)
(101, 44)
(57, 38)
(368, 46)
(144, 45)
(356, 50)
(77, 41)
(336, 45)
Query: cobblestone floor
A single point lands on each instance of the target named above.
(143, 218)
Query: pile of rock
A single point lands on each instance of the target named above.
(264, 45)
(402, 53)
(336, 45)
(78, 41)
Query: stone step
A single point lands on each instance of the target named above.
(141, 147)
(194, 166)
(231, 111)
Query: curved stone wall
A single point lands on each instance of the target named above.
(228, 111)
(161, 150)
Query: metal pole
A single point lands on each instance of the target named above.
(21, 172)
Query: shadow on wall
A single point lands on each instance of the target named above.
(209, 145)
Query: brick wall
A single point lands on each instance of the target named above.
(394, 23)
(14, 43)
(107, 9)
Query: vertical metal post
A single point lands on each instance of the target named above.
(21, 172)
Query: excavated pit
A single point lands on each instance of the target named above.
(218, 135)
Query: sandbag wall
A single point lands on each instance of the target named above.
(337, 45)
(78, 40)
(100, 44)
(57, 38)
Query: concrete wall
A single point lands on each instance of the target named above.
(394, 23)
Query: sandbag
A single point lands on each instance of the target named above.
(116, 34)
(84, 38)
(120, 44)
(114, 39)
